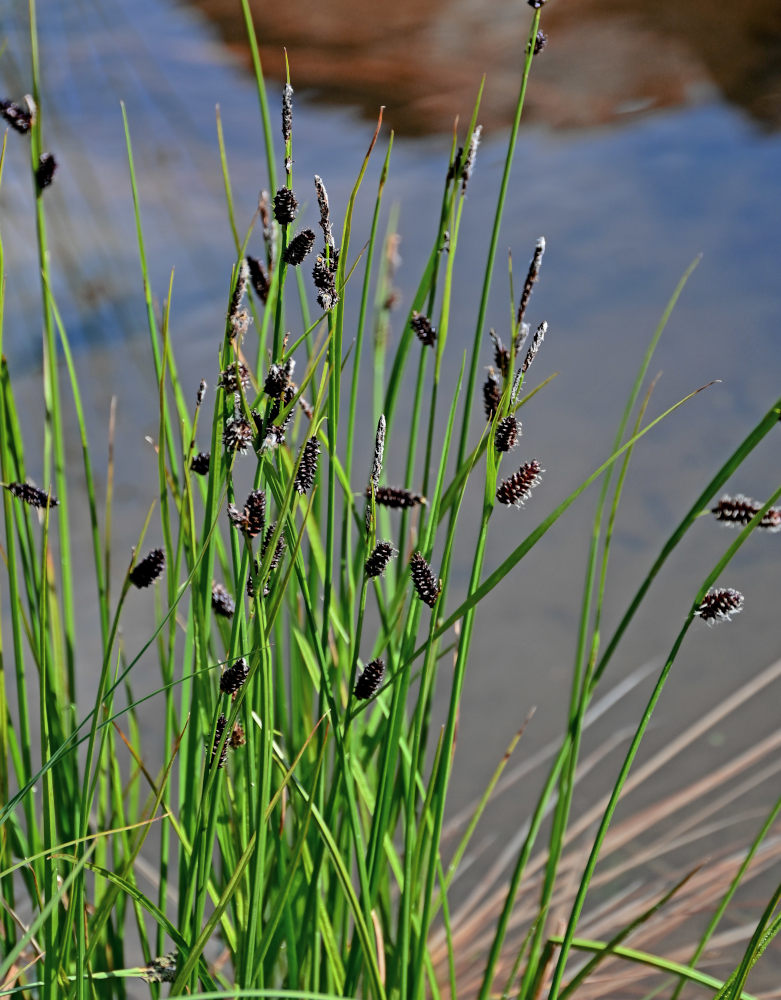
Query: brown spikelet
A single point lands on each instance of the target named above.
(492, 394)
(233, 376)
(370, 679)
(234, 677)
(32, 495)
(285, 206)
(222, 602)
(423, 329)
(148, 569)
(508, 430)
(379, 558)
(307, 467)
(396, 497)
(720, 604)
(258, 278)
(426, 584)
(739, 510)
(298, 248)
(518, 488)
(501, 354)
(200, 463)
(532, 275)
(237, 736)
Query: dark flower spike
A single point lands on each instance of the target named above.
(492, 394)
(237, 433)
(287, 112)
(222, 602)
(285, 206)
(148, 570)
(739, 510)
(369, 681)
(379, 558)
(719, 605)
(516, 387)
(298, 248)
(237, 736)
(20, 119)
(324, 277)
(379, 451)
(219, 730)
(200, 464)
(161, 970)
(516, 490)
(278, 378)
(469, 161)
(540, 41)
(234, 375)
(423, 330)
(255, 511)
(501, 354)
(508, 430)
(396, 497)
(258, 278)
(279, 548)
(32, 495)
(307, 467)
(44, 173)
(427, 586)
(325, 213)
(201, 392)
(234, 677)
(531, 354)
(531, 277)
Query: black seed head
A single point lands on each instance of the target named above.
(255, 511)
(237, 434)
(200, 463)
(379, 558)
(324, 277)
(531, 277)
(518, 488)
(307, 467)
(233, 678)
(201, 392)
(540, 41)
(508, 430)
(222, 602)
(396, 497)
(298, 248)
(369, 681)
(277, 379)
(32, 495)
(426, 584)
(501, 354)
(325, 212)
(423, 329)
(219, 730)
(258, 278)
(739, 510)
(20, 119)
(492, 394)
(44, 173)
(279, 548)
(536, 4)
(720, 604)
(149, 569)
(285, 206)
(233, 376)
(531, 354)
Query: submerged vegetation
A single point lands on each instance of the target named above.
(297, 817)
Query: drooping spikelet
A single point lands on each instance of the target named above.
(200, 463)
(426, 584)
(536, 344)
(396, 497)
(370, 679)
(233, 376)
(307, 467)
(222, 602)
(148, 569)
(720, 604)
(285, 206)
(518, 488)
(258, 278)
(379, 558)
(298, 248)
(531, 277)
(508, 430)
(219, 730)
(44, 172)
(739, 510)
(501, 354)
(423, 329)
(492, 394)
(32, 495)
(20, 119)
(234, 677)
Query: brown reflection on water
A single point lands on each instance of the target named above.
(604, 59)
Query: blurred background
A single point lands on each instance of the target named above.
(650, 136)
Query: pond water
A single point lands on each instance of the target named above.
(651, 138)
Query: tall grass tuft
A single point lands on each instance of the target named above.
(297, 814)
